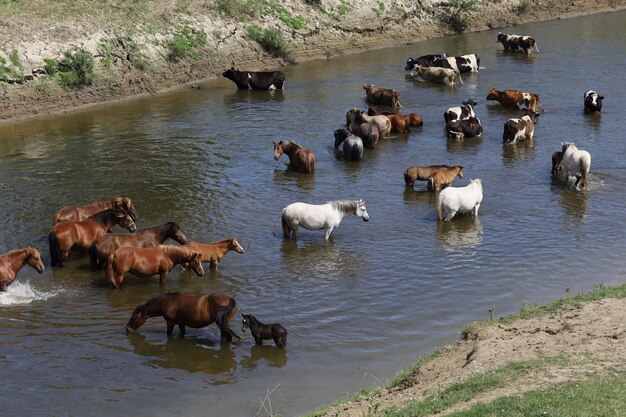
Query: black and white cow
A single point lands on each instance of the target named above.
(460, 113)
(424, 61)
(515, 42)
(467, 128)
(256, 80)
(516, 129)
(463, 64)
(593, 102)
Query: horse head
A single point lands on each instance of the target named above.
(34, 259)
(361, 211)
(460, 173)
(176, 234)
(124, 220)
(567, 145)
(340, 136)
(245, 322)
(137, 319)
(195, 262)
(234, 245)
(279, 149)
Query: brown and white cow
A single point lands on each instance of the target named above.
(523, 128)
(382, 96)
(514, 98)
(515, 42)
(437, 75)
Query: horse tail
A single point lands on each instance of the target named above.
(286, 228)
(93, 257)
(440, 207)
(407, 178)
(431, 183)
(55, 251)
(222, 315)
(536, 46)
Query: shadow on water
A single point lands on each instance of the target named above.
(454, 145)
(461, 232)
(275, 357)
(192, 354)
(522, 150)
(518, 57)
(237, 98)
(289, 176)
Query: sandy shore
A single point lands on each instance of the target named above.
(327, 34)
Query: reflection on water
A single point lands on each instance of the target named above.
(458, 146)
(418, 195)
(268, 353)
(575, 202)
(287, 176)
(460, 233)
(522, 150)
(192, 354)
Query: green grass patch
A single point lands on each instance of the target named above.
(457, 16)
(466, 390)
(529, 311)
(600, 397)
(324, 409)
(75, 70)
(271, 40)
(185, 41)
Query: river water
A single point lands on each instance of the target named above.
(372, 300)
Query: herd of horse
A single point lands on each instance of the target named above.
(82, 229)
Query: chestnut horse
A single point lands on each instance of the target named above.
(81, 235)
(214, 252)
(300, 159)
(421, 173)
(146, 238)
(444, 177)
(195, 311)
(78, 213)
(399, 122)
(12, 262)
(146, 262)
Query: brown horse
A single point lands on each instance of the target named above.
(300, 159)
(195, 311)
(66, 236)
(146, 262)
(146, 238)
(214, 252)
(400, 123)
(421, 173)
(78, 213)
(557, 162)
(355, 118)
(12, 262)
(444, 177)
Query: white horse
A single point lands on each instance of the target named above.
(460, 199)
(320, 216)
(575, 162)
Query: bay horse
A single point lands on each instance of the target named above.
(146, 262)
(66, 236)
(576, 162)
(320, 216)
(262, 331)
(12, 262)
(145, 238)
(300, 159)
(460, 200)
(400, 123)
(444, 177)
(355, 118)
(421, 173)
(182, 309)
(78, 213)
(213, 252)
(557, 159)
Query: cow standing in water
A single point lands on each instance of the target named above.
(515, 42)
(256, 80)
(593, 102)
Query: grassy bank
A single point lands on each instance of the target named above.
(563, 358)
(137, 47)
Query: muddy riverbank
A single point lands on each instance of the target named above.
(144, 48)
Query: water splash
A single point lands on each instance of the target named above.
(22, 293)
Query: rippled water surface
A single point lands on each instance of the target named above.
(372, 300)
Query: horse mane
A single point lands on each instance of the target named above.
(345, 206)
(99, 217)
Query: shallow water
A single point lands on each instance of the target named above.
(372, 300)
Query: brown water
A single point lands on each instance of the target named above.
(372, 300)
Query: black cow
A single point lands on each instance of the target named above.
(593, 102)
(515, 42)
(256, 80)
(463, 64)
(424, 61)
(467, 128)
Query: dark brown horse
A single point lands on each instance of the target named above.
(214, 252)
(182, 309)
(146, 262)
(444, 177)
(146, 238)
(262, 331)
(12, 262)
(300, 159)
(78, 213)
(557, 159)
(66, 236)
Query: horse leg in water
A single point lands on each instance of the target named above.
(170, 327)
(450, 215)
(163, 277)
(214, 263)
(182, 330)
(475, 210)
(328, 232)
